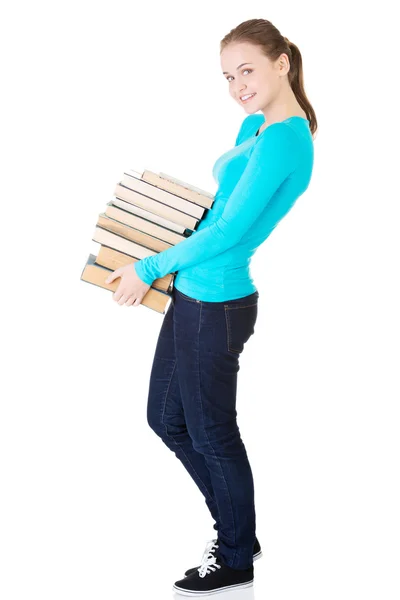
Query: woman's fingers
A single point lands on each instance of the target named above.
(122, 300)
(130, 301)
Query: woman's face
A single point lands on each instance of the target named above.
(257, 76)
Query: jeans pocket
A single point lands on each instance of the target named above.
(240, 322)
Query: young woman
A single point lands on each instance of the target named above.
(213, 312)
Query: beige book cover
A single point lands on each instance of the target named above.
(151, 217)
(158, 208)
(138, 184)
(135, 235)
(113, 212)
(181, 188)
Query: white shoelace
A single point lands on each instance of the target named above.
(208, 562)
(208, 566)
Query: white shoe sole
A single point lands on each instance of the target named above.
(238, 586)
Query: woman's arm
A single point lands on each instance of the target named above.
(274, 157)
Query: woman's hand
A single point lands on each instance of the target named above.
(131, 289)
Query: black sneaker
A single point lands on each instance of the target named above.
(212, 577)
(210, 550)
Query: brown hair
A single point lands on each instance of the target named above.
(261, 32)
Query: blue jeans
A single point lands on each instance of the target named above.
(192, 407)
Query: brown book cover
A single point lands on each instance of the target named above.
(96, 275)
(135, 235)
(112, 259)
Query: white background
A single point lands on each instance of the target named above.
(93, 505)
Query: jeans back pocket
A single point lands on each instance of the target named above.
(240, 322)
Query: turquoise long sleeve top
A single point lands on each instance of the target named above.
(259, 180)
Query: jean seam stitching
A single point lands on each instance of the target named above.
(240, 306)
(208, 440)
(229, 336)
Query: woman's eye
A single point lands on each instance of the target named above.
(249, 70)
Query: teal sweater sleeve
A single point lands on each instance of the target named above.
(273, 158)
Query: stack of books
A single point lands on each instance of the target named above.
(149, 213)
